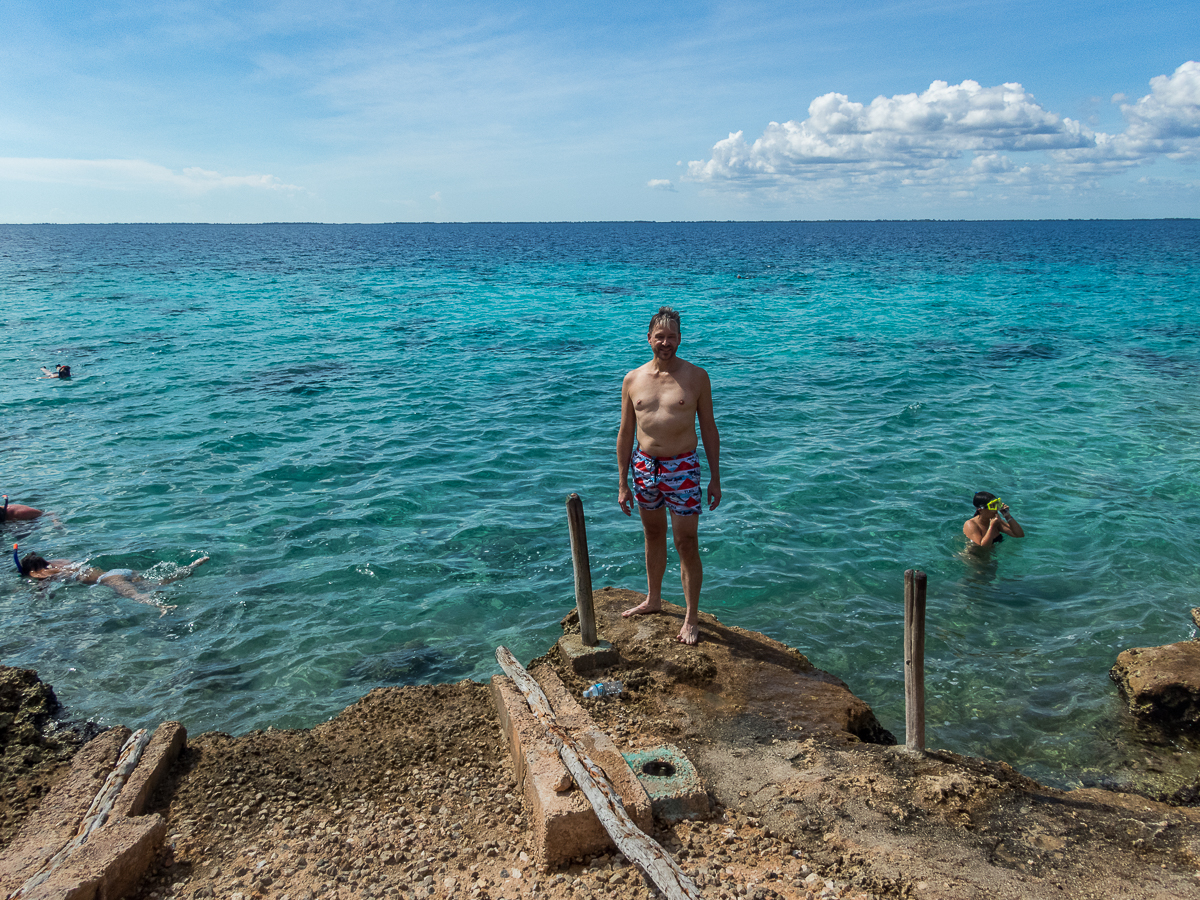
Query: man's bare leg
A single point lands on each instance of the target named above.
(654, 527)
(685, 529)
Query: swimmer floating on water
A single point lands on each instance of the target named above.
(59, 372)
(122, 581)
(17, 511)
(991, 522)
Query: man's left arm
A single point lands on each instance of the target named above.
(711, 439)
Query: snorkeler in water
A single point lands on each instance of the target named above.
(19, 512)
(59, 372)
(991, 522)
(123, 581)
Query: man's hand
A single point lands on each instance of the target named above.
(714, 495)
(625, 499)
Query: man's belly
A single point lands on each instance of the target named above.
(667, 445)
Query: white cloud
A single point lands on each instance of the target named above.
(660, 184)
(1167, 120)
(130, 174)
(954, 138)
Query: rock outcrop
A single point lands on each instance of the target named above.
(1162, 684)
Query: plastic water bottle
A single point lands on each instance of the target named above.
(604, 689)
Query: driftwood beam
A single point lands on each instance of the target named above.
(638, 847)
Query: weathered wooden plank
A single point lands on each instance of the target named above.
(638, 847)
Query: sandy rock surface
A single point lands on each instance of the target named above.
(410, 793)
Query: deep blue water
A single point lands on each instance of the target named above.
(372, 429)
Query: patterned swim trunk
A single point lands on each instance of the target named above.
(673, 480)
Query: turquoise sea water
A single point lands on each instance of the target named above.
(372, 430)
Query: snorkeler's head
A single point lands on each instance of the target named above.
(982, 499)
(665, 317)
(31, 562)
(63, 371)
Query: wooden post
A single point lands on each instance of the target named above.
(914, 661)
(583, 571)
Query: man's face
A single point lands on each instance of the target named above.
(664, 341)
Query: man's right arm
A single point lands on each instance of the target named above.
(625, 448)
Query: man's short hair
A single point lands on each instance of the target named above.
(664, 316)
(32, 562)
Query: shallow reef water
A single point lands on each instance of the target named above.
(372, 430)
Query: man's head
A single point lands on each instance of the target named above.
(31, 562)
(63, 371)
(664, 334)
(665, 317)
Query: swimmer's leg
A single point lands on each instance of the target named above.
(126, 588)
(654, 527)
(185, 571)
(684, 529)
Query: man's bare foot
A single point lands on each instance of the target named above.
(646, 607)
(689, 634)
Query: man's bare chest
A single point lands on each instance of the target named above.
(663, 397)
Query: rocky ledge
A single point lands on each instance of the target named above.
(1162, 684)
(410, 793)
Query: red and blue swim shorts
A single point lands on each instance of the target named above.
(673, 480)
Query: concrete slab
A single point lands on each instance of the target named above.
(109, 866)
(53, 824)
(598, 745)
(584, 659)
(562, 822)
(671, 782)
(115, 856)
(169, 739)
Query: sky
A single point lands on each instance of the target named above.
(329, 111)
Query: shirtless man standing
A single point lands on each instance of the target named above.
(661, 402)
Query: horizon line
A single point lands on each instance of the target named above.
(616, 222)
